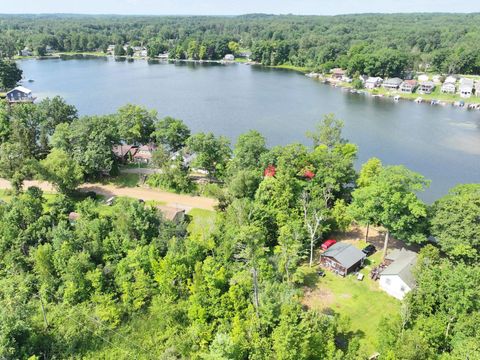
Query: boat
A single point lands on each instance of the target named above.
(418, 100)
(434, 102)
(396, 98)
(30, 80)
(459, 103)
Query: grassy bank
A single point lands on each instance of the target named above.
(292, 67)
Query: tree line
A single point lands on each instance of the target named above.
(374, 44)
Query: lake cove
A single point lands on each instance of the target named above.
(442, 143)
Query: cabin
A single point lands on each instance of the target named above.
(20, 95)
(144, 154)
(397, 278)
(26, 52)
(125, 153)
(392, 84)
(408, 86)
(338, 74)
(466, 88)
(426, 87)
(229, 57)
(171, 213)
(373, 82)
(342, 258)
(449, 88)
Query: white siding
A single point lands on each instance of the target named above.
(394, 286)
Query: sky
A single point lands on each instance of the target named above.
(234, 7)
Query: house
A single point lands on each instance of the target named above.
(172, 214)
(342, 258)
(163, 56)
(20, 95)
(466, 88)
(229, 57)
(426, 87)
(409, 86)
(373, 82)
(437, 79)
(26, 52)
(125, 153)
(449, 88)
(144, 154)
(392, 84)
(338, 73)
(397, 278)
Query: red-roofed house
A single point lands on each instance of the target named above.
(270, 171)
(125, 153)
(144, 154)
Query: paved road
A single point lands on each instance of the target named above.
(186, 202)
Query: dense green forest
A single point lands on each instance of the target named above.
(384, 45)
(122, 282)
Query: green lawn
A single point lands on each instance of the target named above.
(124, 180)
(362, 302)
(202, 222)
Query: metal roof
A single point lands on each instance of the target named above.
(403, 262)
(347, 255)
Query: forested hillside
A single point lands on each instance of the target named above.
(373, 44)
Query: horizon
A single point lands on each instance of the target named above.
(223, 8)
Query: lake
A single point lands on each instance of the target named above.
(442, 143)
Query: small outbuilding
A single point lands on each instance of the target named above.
(342, 258)
(397, 278)
(172, 214)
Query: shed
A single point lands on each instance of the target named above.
(172, 214)
(392, 84)
(397, 278)
(342, 258)
(20, 94)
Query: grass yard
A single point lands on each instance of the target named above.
(202, 222)
(124, 180)
(362, 302)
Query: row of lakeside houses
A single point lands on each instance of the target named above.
(465, 87)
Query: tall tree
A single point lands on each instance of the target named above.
(172, 133)
(135, 124)
(212, 153)
(10, 74)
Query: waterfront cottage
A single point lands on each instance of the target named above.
(20, 95)
(397, 278)
(392, 84)
(408, 86)
(26, 52)
(229, 57)
(373, 82)
(449, 88)
(426, 87)
(338, 73)
(342, 258)
(466, 88)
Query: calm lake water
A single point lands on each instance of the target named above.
(442, 143)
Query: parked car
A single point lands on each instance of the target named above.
(369, 250)
(328, 243)
(110, 201)
(321, 273)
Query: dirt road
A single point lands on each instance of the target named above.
(186, 202)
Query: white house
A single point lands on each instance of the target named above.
(229, 57)
(449, 88)
(466, 88)
(373, 82)
(397, 278)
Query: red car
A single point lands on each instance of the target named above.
(328, 243)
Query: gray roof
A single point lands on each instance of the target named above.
(393, 81)
(347, 255)
(403, 262)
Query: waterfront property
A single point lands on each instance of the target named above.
(449, 88)
(373, 82)
(125, 153)
(466, 88)
(342, 258)
(392, 84)
(397, 278)
(20, 95)
(26, 52)
(426, 87)
(408, 86)
(229, 57)
(144, 154)
(338, 74)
